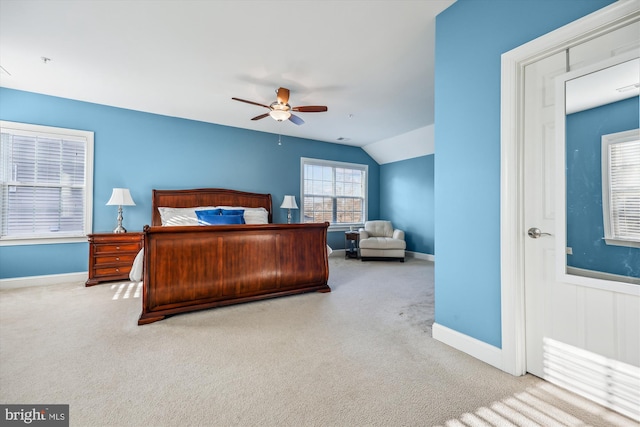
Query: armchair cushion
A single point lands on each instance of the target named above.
(379, 228)
(382, 243)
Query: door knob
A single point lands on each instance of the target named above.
(534, 233)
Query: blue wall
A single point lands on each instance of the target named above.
(585, 227)
(143, 151)
(470, 37)
(406, 199)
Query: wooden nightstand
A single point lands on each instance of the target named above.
(111, 256)
(351, 244)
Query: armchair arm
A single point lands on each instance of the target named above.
(397, 234)
(363, 234)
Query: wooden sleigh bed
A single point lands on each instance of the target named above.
(194, 267)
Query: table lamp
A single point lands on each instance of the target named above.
(120, 197)
(289, 203)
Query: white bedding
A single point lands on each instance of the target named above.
(135, 275)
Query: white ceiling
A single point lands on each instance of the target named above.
(370, 62)
(603, 87)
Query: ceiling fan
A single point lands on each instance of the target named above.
(281, 110)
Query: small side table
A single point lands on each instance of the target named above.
(351, 244)
(111, 255)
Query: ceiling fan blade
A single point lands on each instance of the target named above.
(251, 102)
(297, 120)
(310, 109)
(283, 95)
(261, 116)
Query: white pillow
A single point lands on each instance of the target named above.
(178, 216)
(257, 216)
(181, 216)
(240, 207)
(251, 215)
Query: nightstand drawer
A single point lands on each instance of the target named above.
(113, 271)
(124, 259)
(120, 247)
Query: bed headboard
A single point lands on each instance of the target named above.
(206, 197)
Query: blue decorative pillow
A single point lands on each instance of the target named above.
(216, 219)
(232, 212)
(206, 217)
(210, 211)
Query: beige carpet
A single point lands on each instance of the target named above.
(361, 355)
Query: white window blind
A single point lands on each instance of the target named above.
(45, 182)
(621, 187)
(335, 192)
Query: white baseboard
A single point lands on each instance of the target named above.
(50, 279)
(420, 255)
(408, 254)
(473, 347)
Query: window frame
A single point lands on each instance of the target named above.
(336, 164)
(606, 141)
(55, 132)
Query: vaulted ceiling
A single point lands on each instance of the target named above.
(370, 62)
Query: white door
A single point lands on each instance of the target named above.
(539, 189)
(582, 336)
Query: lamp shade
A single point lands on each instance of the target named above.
(121, 197)
(289, 202)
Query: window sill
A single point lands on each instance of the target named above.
(347, 227)
(619, 242)
(42, 241)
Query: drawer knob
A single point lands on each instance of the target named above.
(118, 248)
(117, 270)
(117, 258)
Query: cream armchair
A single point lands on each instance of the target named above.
(379, 240)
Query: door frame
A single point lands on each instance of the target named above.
(512, 227)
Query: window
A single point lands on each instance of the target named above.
(335, 192)
(45, 184)
(621, 188)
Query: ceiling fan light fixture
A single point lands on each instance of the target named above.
(280, 115)
(281, 110)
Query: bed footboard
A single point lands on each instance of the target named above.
(197, 267)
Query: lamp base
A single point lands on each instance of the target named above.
(120, 228)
